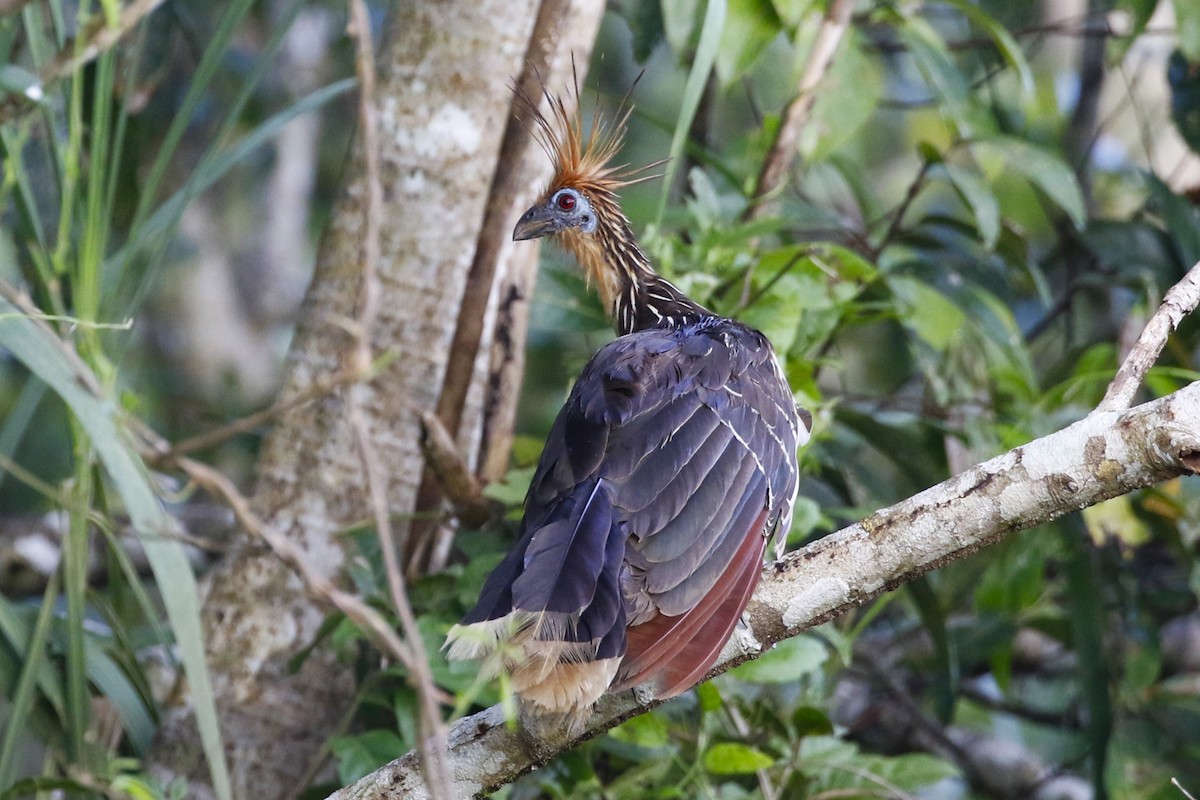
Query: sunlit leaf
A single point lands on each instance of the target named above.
(732, 758)
(930, 314)
(978, 197)
(1115, 520)
(786, 662)
(749, 27)
(1043, 169)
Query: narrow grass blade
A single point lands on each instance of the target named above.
(45, 355)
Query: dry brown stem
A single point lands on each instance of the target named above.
(783, 150)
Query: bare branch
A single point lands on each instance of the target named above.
(1180, 301)
(783, 149)
(1101, 456)
(454, 477)
(366, 618)
(321, 387)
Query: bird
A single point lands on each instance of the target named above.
(666, 472)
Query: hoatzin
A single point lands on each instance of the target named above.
(671, 465)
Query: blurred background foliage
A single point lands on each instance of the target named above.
(989, 200)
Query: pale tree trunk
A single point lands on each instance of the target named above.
(444, 105)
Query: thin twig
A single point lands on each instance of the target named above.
(317, 584)
(321, 387)
(795, 117)
(99, 37)
(1179, 301)
(433, 744)
(453, 474)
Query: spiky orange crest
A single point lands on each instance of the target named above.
(579, 162)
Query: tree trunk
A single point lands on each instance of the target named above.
(444, 107)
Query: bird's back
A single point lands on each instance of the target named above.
(669, 466)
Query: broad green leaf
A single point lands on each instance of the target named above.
(787, 662)
(791, 11)
(978, 197)
(679, 22)
(749, 27)
(930, 314)
(943, 76)
(1044, 170)
(846, 99)
(363, 754)
(1180, 220)
(732, 758)
(45, 356)
(709, 696)
(646, 26)
(646, 730)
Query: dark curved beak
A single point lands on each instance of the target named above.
(537, 221)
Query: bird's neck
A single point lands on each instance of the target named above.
(635, 296)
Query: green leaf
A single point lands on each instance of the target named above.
(46, 356)
(646, 730)
(846, 100)
(732, 758)
(679, 22)
(709, 696)
(1004, 41)
(361, 755)
(946, 81)
(791, 11)
(811, 721)
(646, 27)
(978, 197)
(1043, 169)
(1187, 28)
(693, 90)
(930, 314)
(787, 662)
(749, 28)
(1180, 219)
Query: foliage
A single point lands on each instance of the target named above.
(94, 188)
(952, 270)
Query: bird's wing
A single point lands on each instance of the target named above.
(694, 433)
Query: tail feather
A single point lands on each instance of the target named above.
(552, 613)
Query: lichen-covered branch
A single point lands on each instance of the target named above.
(1180, 300)
(1102, 456)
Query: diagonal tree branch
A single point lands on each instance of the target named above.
(1101, 456)
(1180, 300)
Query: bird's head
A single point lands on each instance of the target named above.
(564, 209)
(580, 210)
(582, 196)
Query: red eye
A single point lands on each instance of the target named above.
(566, 201)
